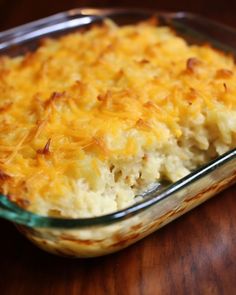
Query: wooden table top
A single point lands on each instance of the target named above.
(195, 254)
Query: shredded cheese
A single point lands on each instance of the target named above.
(83, 115)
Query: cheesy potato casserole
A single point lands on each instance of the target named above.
(92, 119)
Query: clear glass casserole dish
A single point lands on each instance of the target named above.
(101, 235)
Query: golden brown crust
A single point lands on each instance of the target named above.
(108, 97)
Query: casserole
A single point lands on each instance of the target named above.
(100, 235)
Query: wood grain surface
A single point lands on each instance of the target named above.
(195, 254)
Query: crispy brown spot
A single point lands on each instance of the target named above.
(11, 198)
(224, 74)
(2, 62)
(106, 50)
(119, 75)
(191, 64)
(81, 30)
(148, 104)
(101, 97)
(3, 73)
(151, 105)
(191, 95)
(27, 59)
(143, 61)
(79, 87)
(142, 124)
(104, 97)
(6, 107)
(53, 98)
(23, 203)
(46, 149)
(4, 176)
(145, 157)
(225, 87)
(43, 41)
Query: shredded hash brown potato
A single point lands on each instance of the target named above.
(92, 119)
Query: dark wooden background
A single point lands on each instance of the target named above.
(14, 12)
(196, 254)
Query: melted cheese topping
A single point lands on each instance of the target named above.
(92, 118)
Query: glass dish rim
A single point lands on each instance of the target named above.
(12, 212)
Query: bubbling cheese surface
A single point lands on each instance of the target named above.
(93, 118)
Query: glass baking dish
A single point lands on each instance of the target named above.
(101, 235)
